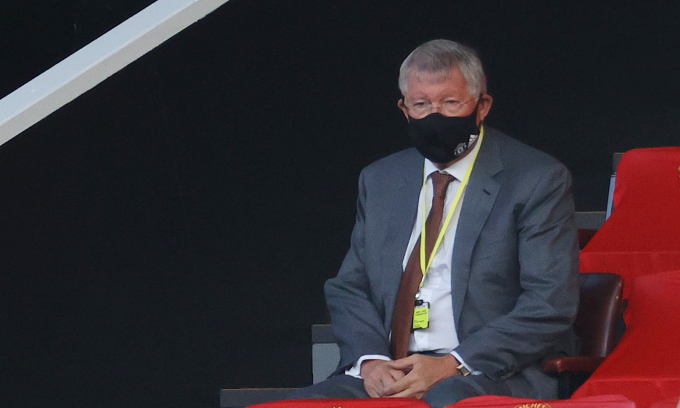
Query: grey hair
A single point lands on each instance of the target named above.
(438, 57)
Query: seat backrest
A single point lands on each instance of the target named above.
(640, 237)
(598, 319)
(649, 178)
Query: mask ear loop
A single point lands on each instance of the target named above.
(474, 112)
(473, 138)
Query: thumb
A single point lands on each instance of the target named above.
(403, 363)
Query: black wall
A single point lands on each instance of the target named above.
(168, 233)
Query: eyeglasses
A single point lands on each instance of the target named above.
(447, 107)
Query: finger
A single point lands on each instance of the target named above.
(404, 390)
(396, 374)
(386, 382)
(372, 392)
(408, 393)
(382, 379)
(404, 363)
(399, 386)
(374, 387)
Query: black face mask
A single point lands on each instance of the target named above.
(441, 138)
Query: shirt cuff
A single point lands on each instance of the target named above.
(355, 370)
(460, 360)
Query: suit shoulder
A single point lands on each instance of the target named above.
(522, 157)
(396, 162)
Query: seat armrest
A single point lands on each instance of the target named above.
(560, 365)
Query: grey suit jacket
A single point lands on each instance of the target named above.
(514, 266)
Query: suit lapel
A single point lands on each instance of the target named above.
(403, 207)
(480, 196)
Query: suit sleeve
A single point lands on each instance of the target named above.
(548, 278)
(357, 323)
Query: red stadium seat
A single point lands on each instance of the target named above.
(645, 366)
(640, 237)
(346, 403)
(494, 401)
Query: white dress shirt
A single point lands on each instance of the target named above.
(441, 335)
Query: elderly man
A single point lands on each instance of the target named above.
(462, 271)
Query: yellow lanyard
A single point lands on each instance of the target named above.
(424, 268)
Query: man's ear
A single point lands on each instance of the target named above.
(484, 107)
(402, 106)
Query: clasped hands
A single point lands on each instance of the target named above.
(409, 377)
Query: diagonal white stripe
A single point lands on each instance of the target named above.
(98, 60)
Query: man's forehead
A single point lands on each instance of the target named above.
(430, 76)
(453, 79)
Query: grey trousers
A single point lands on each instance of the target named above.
(445, 392)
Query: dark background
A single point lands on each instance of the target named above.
(168, 233)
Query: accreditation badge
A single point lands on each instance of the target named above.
(421, 315)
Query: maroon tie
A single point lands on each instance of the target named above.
(402, 322)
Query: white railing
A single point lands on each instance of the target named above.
(97, 61)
